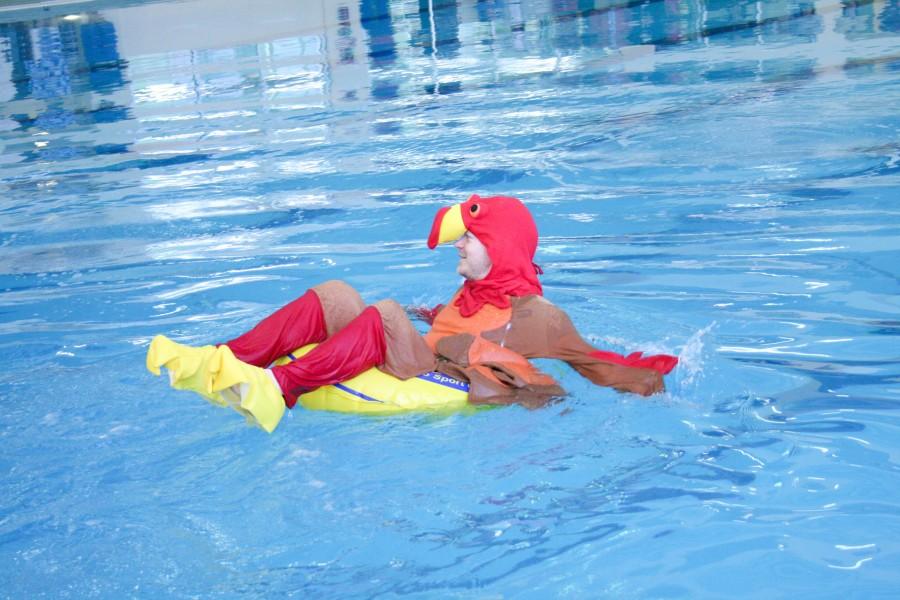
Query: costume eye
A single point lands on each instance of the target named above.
(474, 209)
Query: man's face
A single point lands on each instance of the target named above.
(474, 262)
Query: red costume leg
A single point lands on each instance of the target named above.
(321, 312)
(296, 324)
(381, 336)
(355, 348)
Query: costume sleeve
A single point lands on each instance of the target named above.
(538, 329)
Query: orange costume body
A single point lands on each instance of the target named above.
(491, 349)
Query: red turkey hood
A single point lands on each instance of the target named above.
(506, 228)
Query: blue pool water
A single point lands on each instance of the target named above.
(718, 180)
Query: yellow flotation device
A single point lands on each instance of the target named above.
(375, 392)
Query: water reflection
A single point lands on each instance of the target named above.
(260, 109)
(337, 53)
(64, 73)
(438, 32)
(58, 57)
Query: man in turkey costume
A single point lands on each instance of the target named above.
(485, 334)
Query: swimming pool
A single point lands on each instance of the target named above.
(712, 179)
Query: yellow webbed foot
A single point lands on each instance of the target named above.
(250, 390)
(187, 366)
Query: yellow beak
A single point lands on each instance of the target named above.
(448, 226)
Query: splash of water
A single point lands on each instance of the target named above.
(690, 370)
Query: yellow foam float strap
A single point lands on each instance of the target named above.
(375, 392)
